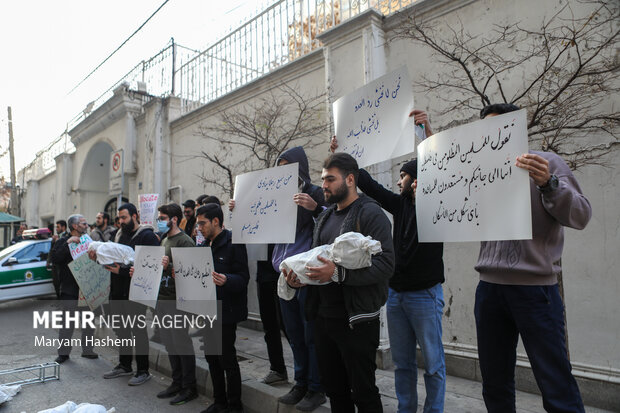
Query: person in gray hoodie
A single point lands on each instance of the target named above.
(518, 291)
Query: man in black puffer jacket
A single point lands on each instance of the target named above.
(346, 312)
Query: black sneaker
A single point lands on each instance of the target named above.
(89, 354)
(61, 359)
(311, 401)
(186, 395)
(216, 408)
(294, 396)
(171, 391)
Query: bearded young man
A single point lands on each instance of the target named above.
(415, 302)
(131, 234)
(346, 313)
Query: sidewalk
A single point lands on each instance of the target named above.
(462, 396)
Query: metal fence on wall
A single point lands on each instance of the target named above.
(283, 32)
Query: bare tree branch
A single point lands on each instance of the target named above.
(565, 73)
(259, 132)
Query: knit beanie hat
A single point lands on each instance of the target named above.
(411, 168)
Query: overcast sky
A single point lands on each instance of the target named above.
(48, 47)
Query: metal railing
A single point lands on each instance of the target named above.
(283, 32)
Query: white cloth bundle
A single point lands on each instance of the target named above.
(109, 253)
(350, 250)
(7, 392)
(71, 407)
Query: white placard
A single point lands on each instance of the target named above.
(77, 250)
(147, 272)
(469, 188)
(148, 208)
(373, 124)
(264, 208)
(195, 289)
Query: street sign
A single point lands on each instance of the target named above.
(116, 173)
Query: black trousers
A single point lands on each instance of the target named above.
(346, 358)
(269, 308)
(179, 346)
(224, 370)
(70, 303)
(130, 309)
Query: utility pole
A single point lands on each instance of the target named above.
(12, 160)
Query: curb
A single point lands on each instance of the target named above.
(257, 397)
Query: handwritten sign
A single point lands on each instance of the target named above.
(196, 292)
(148, 208)
(372, 123)
(147, 272)
(93, 280)
(264, 208)
(77, 250)
(469, 188)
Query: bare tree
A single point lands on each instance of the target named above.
(262, 130)
(566, 73)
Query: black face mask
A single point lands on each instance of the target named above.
(128, 227)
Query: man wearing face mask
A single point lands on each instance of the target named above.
(131, 234)
(177, 341)
(69, 290)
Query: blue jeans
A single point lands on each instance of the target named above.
(503, 312)
(301, 338)
(415, 316)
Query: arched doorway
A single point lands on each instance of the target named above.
(94, 180)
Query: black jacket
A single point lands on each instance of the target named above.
(418, 265)
(231, 260)
(61, 257)
(264, 269)
(119, 283)
(364, 290)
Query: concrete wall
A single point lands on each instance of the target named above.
(162, 147)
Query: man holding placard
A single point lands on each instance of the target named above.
(518, 292)
(69, 290)
(131, 234)
(231, 277)
(346, 312)
(177, 341)
(415, 301)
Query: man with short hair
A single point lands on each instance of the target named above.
(415, 301)
(346, 312)
(103, 231)
(131, 234)
(177, 341)
(231, 277)
(188, 223)
(61, 231)
(518, 292)
(69, 289)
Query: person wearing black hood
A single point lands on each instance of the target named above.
(307, 393)
(415, 302)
